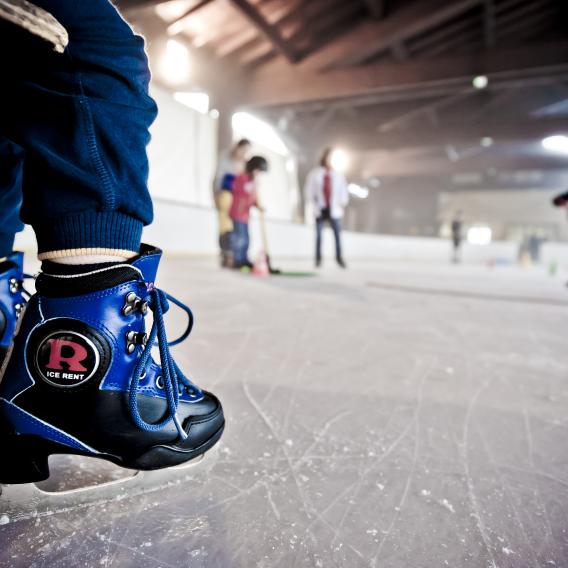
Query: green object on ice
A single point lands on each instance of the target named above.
(297, 274)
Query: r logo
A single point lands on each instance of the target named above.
(66, 359)
(56, 355)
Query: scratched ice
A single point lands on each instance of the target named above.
(370, 424)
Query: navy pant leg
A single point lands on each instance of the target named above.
(336, 226)
(240, 242)
(82, 118)
(319, 229)
(246, 242)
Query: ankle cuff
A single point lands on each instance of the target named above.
(56, 254)
(106, 232)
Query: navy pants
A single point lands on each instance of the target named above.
(336, 226)
(241, 241)
(73, 132)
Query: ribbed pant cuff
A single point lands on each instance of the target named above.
(90, 230)
(6, 243)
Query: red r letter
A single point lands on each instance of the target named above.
(74, 362)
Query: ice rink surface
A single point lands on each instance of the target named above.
(392, 416)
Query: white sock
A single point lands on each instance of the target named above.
(89, 259)
(87, 255)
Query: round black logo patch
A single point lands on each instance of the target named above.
(66, 358)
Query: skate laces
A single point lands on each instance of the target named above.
(173, 380)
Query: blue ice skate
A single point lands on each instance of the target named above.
(81, 378)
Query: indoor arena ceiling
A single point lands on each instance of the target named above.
(390, 79)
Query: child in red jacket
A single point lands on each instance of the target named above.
(244, 197)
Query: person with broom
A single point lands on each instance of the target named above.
(231, 164)
(245, 196)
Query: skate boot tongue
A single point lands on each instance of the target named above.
(147, 262)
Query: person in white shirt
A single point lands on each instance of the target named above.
(231, 164)
(326, 189)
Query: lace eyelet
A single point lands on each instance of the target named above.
(14, 285)
(160, 382)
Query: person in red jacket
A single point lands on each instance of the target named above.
(245, 197)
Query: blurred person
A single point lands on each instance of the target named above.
(231, 164)
(457, 237)
(245, 196)
(535, 242)
(78, 377)
(561, 200)
(326, 188)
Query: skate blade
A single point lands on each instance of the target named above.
(26, 501)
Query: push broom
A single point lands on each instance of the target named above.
(266, 255)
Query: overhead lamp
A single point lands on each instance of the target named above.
(557, 143)
(175, 63)
(480, 81)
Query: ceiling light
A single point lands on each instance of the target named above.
(557, 143)
(174, 65)
(480, 81)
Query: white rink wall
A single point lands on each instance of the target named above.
(187, 229)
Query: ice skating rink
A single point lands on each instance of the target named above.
(392, 416)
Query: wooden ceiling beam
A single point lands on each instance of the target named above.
(367, 41)
(280, 84)
(176, 25)
(271, 32)
(385, 164)
(467, 38)
(377, 8)
(322, 26)
(489, 23)
(514, 26)
(422, 110)
(442, 35)
(448, 132)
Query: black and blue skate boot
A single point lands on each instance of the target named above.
(81, 378)
(12, 299)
